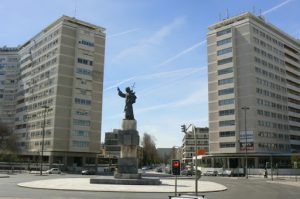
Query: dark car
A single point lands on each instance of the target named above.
(88, 172)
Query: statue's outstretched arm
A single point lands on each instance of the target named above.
(120, 93)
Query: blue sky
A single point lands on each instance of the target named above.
(157, 44)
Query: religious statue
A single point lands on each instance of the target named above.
(130, 98)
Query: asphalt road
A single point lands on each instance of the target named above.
(237, 188)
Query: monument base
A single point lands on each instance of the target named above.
(141, 181)
(127, 176)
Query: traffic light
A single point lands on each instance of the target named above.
(183, 128)
(176, 167)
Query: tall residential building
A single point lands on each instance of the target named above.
(253, 64)
(60, 86)
(188, 143)
(8, 83)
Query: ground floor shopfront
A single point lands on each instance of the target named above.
(253, 160)
(65, 161)
(257, 164)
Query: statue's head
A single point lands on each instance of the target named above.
(127, 89)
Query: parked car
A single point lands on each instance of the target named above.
(158, 169)
(88, 172)
(53, 171)
(227, 173)
(210, 173)
(186, 172)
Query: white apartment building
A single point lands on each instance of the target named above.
(188, 143)
(8, 83)
(61, 76)
(253, 64)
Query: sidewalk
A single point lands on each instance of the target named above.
(83, 184)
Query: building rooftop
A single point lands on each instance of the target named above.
(72, 20)
(258, 19)
(9, 49)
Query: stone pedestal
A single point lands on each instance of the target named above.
(129, 140)
(127, 171)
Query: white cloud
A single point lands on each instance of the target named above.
(197, 97)
(185, 51)
(275, 7)
(119, 83)
(183, 74)
(154, 39)
(122, 33)
(165, 74)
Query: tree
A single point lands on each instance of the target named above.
(150, 154)
(8, 147)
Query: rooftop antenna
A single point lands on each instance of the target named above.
(220, 17)
(253, 10)
(227, 14)
(75, 8)
(259, 12)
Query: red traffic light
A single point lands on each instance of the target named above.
(176, 163)
(176, 167)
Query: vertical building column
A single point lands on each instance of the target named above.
(50, 160)
(256, 162)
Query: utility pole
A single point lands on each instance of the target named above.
(43, 132)
(184, 130)
(245, 108)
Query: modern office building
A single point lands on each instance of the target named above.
(8, 85)
(254, 87)
(188, 143)
(59, 93)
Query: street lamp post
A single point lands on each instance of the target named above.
(184, 129)
(43, 138)
(245, 108)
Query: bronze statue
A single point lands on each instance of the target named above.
(130, 98)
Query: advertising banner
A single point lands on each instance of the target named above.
(248, 138)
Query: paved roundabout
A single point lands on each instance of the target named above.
(83, 184)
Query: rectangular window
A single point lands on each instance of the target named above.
(227, 144)
(223, 32)
(82, 101)
(80, 144)
(226, 91)
(226, 112)
(84, 71)
(226, 102)
(227, 123)
(81, 133)
(225, 81)
(85, 61)
(225, 61)
(225, 71)
(224, 41)
(82, 122)
(224, 51)
(87, 43)
(227, 134)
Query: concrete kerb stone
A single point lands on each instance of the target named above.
(4, 176)
(83, 184)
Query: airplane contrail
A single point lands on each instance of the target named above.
(275, 7)
(122, 33)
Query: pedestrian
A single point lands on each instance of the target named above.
(266, 173)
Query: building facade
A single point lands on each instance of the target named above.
(254, 87)
(59, 93)
(188, 143)
(8, 85)
(112, 147)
